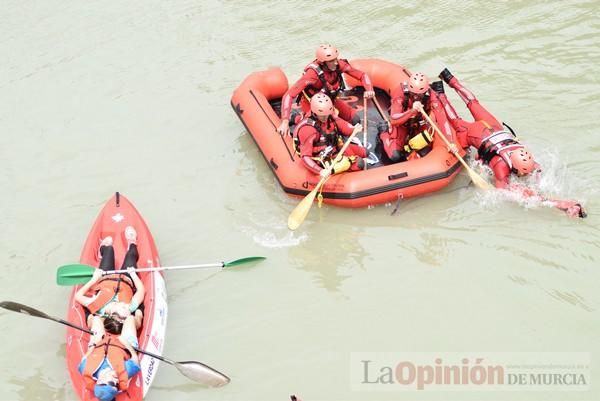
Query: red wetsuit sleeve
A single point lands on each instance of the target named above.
(306, 136)
(501, 172)
(344, 127)
(397, 116)
(347, 68)
(311, 165)
(309, 78)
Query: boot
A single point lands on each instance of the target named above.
(398, 156)
(360, 163)
(446, 75)
(437, 86)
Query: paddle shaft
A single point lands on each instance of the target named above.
(381, 111)
(161, 268)
(27, 310)
(297, 216)
(474, 176)
(365, 123)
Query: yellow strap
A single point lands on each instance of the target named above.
(486, 124)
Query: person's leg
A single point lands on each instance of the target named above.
(477, 110)
(466, 95)
(451, 113)
(393, 143)
(107, 255)
(355, 150)
(132, 255)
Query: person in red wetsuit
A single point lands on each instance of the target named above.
(323, 75)
(318, 138)
(406, 120)
(495, 146)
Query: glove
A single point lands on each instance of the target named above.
(326, 172)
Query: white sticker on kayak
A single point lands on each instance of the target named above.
(118, 217)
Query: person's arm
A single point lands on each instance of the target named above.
(309, 78)
(307, 136)
(442, 120)
(362, 76)
(397, 115)
(140, 293)
(344, 127)
(501, 172)
(79, 295)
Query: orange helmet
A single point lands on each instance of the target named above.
(321, 105)
(522, 161)
(326, 52)
(418, 83)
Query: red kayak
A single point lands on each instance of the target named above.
(117, 214)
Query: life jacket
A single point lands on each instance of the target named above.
(331, 90)
(109, 286)
(326, 138)
(498, 143)
(406, 97)
(116, 354)
(416, 124)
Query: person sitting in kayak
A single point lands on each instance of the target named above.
(111, 360)
(318, 138)
(496, 147)
(406, 120)
(323, 75)
(116, 295)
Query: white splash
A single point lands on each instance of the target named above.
(272, 240)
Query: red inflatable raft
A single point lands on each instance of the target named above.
(257, 103)
(117, 214)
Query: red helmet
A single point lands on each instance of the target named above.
(418, 83)
(522, 161)
(321, 105)
(326, 52)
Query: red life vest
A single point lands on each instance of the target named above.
(498, 143)
(328, 135)
(330, 89)
(109, 286)
(116, 354)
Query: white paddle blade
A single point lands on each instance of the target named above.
(202, 373)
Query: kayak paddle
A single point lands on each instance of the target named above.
(194, 370)
(78, 274)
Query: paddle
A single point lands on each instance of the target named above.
(78, 274)
(381, 111)
(366, 121)
(298, 215)
(196, 371)
(476, 178)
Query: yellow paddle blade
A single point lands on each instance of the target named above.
(298, 215)
(478, 180)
